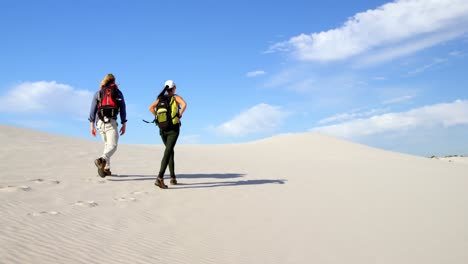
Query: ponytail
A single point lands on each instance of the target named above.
(163, 91)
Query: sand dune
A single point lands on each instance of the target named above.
(299, 198)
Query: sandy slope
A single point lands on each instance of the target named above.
(463, 159)
(302, 198)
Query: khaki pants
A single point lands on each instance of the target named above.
(110, 136)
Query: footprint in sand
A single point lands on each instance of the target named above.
(11, 188)
(86, 203)
(44, 213)
(125, 199)
(139, 192)
(94, 180)
(130, 199)
(45, 181)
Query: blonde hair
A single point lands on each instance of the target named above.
(108, 80)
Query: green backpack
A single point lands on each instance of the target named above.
(167, 114)
(165, 118)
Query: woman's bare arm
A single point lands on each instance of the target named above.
(153, 106)
(183, 105)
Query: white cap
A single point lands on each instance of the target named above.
(170, 84)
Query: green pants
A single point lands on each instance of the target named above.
(169, 139)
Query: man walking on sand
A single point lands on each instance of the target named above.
(105, 106)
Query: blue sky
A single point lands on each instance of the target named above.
(391, 75)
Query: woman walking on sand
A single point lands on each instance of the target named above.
(168, 110)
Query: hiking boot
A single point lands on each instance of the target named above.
(160, 183)
(173, 181)
(107, 172)
(100, 164)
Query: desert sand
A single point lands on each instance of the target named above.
(296, 198)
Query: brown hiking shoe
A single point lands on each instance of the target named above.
(173, 181)
(160, 183)
(107, 172)
(100, 164)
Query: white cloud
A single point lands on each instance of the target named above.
(258, 119)
(255, 73)
(399, 28)
(46, 98)
(438, 115)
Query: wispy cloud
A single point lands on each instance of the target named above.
(255, 73)
(405, 48)
(398, 99)
(351, 115)
(397, 28)
(457, 53)
(260, 118)
(284, 78)
(438, 115)
(295, 79)
(423, 68)
(46, 98)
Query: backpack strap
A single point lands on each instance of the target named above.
(148, 122)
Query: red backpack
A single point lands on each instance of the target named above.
(108, 102)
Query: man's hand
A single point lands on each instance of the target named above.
(93, 130)
(123, 128)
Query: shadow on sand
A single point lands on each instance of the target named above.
(183, 185)
(226, 183)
